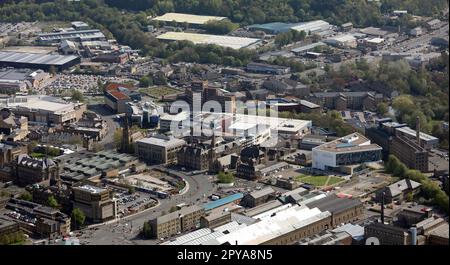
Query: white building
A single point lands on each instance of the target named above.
(346, 153)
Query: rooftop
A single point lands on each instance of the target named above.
(187, 18)
(91, 189)
(177, 214)
(34, 58)
(354, 142)
(161, 141)
(214, 204)
(224, 41)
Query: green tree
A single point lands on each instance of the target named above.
(147, 230)
(77, 95)
(131, 189)
(173, 209)
(225, 177)
(78, 218)
(221, 27)
(52, 202)
(382, 108)
(145, 81)
(26, 196)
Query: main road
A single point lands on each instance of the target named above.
(126, 230)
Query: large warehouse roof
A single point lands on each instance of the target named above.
(224, 41)
(187, 18)
(33, 58)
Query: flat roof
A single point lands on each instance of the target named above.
(91, 189)
(334, 204)
(214, 204)
(35, 58)
(283, 222)
(196, 38)
(423, 136)
(308, 47)
(176, 214)
(354, 142)
(187, 18)
(162, 142)
(81, 34)
(313, 26)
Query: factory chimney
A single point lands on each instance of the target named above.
(413, 231)
(418, 130)
(382, 207)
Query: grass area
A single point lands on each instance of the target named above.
(158, 92)
(319, 181)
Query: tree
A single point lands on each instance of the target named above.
(382, 108)
(78, 218)
(52, 70)
(52, 202)
(225, 177)
(221, 27)
(77, 95)
(131, 189)
(173, 209)
(147, 230)
(26, 196)
(145, 81)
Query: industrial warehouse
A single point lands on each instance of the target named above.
(38, 61)
(224, 41)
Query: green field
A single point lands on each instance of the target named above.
(158, 92)
(319, 181)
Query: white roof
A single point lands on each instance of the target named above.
(163, 142)
(224, 41)
(187, 18)
(282, 223)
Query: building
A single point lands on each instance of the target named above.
(51, 222)
(342, 41)
(345, 153)
(96, 203)
(28, 170)
(9, 151)
(399, 191)
(20, 80)
(258, 197)
(159, 149)
(433, 24)
(193, 157)
(44, 109)
(192, 20)
(114, 57)
(267, 68)
(168, 121)
(347, 26)
(388, 234)
(87, 165)
(8, 227)
(80, 25)
(319, 27)
(347, 100)
(410, 153)
(12, 128)
(183, 220)
(38, 61)
(215, 219)
(234, 198)
(223, 41)
(72, 35)
(118, 95)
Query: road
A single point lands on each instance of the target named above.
(126, 231)
(108, 140)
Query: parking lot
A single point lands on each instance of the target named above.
(132, 203)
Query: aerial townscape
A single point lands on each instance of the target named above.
(224, 122)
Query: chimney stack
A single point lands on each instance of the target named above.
(382, 207)
(418, 130)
